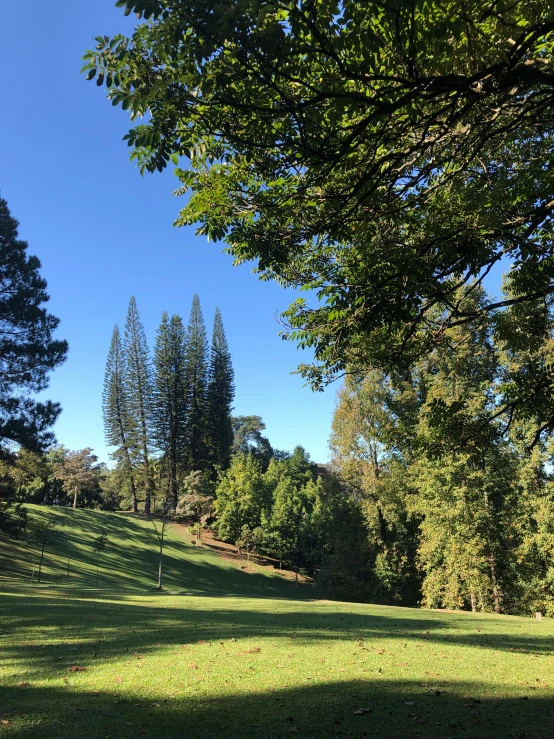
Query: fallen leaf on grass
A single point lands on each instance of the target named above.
(193, 666)
(409, 703)
(361, 711)
(119, 679)
(254, 650)
(4, 722)
(77, 668)
(23, 685)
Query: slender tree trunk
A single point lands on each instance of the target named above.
(161, 559)
(174, 492)
(147, 502)
(134, 504)
(40, 560)
(473, 602)
(495, 589)
(75, 499)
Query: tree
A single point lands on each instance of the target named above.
(118, 427)
(28, 352)
(139, 383)
(197, 500)
(250, 541)
(41, 534)
(241, 498)
(248, 438)
(160, 527)
(78, 472)
(169, 401)
(196, 368)
(219, 398)
(384, 155)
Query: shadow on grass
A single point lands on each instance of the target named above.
(83, 630)
(130, 560)
(392, 710)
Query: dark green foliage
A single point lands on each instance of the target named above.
(196, 377)
(242, 497)
(28, 352)
(119, 429)
(219, 398)
(169, 401)
(139, 384)
(248, 438)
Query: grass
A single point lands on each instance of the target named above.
(237, 660)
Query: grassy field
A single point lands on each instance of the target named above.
(247, 654)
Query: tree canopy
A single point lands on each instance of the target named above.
(385, 154)
(28, 349)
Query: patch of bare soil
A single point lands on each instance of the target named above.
(231, 554)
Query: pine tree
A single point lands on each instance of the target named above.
(196, 369)
(115, 408)
(28, 352)
(220, 395)
(139, 383)
(169, 406)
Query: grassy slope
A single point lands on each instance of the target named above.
(130, 560)
(172, 666)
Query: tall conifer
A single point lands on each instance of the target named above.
(139, 383)
(196, 368)
(169, 407)
(115, 407)
(219, 398)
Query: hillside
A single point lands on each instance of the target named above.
(243, 656)
(130, 558)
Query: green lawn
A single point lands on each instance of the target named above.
(244, 656)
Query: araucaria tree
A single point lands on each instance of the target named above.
(196, 368)
(118, 429)
(169, 402)
(139, 384)
(219, 399)
(28, 352)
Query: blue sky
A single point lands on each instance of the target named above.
(104, 233)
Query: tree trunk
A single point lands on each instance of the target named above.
(134, 504)
(160, 560)
(495, 589)
(473, 602)
(41, 558)
(174, 491)
(75, 499)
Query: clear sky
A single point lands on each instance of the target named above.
(104, 233)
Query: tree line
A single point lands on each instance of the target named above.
(175, 409)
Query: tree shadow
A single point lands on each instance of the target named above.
(85, 629)
(130, 560)
(380, 709)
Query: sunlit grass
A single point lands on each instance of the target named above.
(231, 666)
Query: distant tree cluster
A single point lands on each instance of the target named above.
(170, 416)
